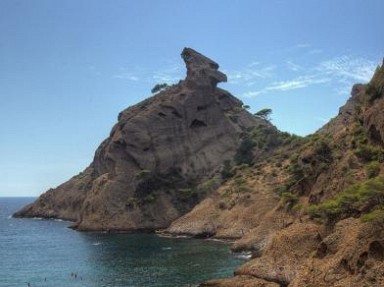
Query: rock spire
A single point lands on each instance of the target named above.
(201, 71)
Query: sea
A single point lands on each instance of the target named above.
(37, 252)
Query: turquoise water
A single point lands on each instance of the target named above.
(47, 253)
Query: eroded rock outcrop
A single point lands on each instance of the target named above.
(201, 71)
(150, 169)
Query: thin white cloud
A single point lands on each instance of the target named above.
(347, 68)
(303, 45)
(127, 76)
(340, 72)
(315, 51)
(250, 74)
(297, 83)
(170, 73)
(252, 94)
(253, 64)
(167, 75)
(293, 66)
(283, 86)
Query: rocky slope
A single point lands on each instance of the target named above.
(162, 157)
(327, 225)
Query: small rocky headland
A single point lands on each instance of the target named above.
(191, 160)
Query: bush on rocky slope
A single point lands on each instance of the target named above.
(360, 198)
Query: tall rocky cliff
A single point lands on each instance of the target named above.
(162, 157)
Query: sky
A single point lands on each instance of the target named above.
(68, 67)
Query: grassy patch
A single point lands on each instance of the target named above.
(376, 216)
(372, 169)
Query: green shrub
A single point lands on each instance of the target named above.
(243, 188)
(264, 114)
(240, 185)
(280, 189)
(361, 197)
(278, 164)
(142, 174)
(376, 216)
(233, 118)
(186, 192)
(132, 202)
(362, 148)
(368, 152)
(266, 138)
(372, 169)
(149, 198)
(289, 199)
(374, 91)
(208, 186)
(150, 184)
(244, 153)
(226, 171)
(237, 110)
(159, 88)
(323, 149)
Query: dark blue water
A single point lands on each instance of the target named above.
(47, 253)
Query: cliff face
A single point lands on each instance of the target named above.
(161, 158)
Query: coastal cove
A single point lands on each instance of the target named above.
(47, 253)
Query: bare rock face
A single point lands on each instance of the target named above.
(374, 116)
(201, 71)
(63, 202)
(149, 171)
(352, 255)
(374, 122)
(286, 252)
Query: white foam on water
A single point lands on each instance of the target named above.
(243, 255)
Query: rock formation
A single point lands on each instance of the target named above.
(311, 210)
(201, 71)
(159, 158)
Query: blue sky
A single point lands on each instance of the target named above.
(67, 68)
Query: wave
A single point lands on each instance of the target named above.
(244, 255)
(37, 218)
